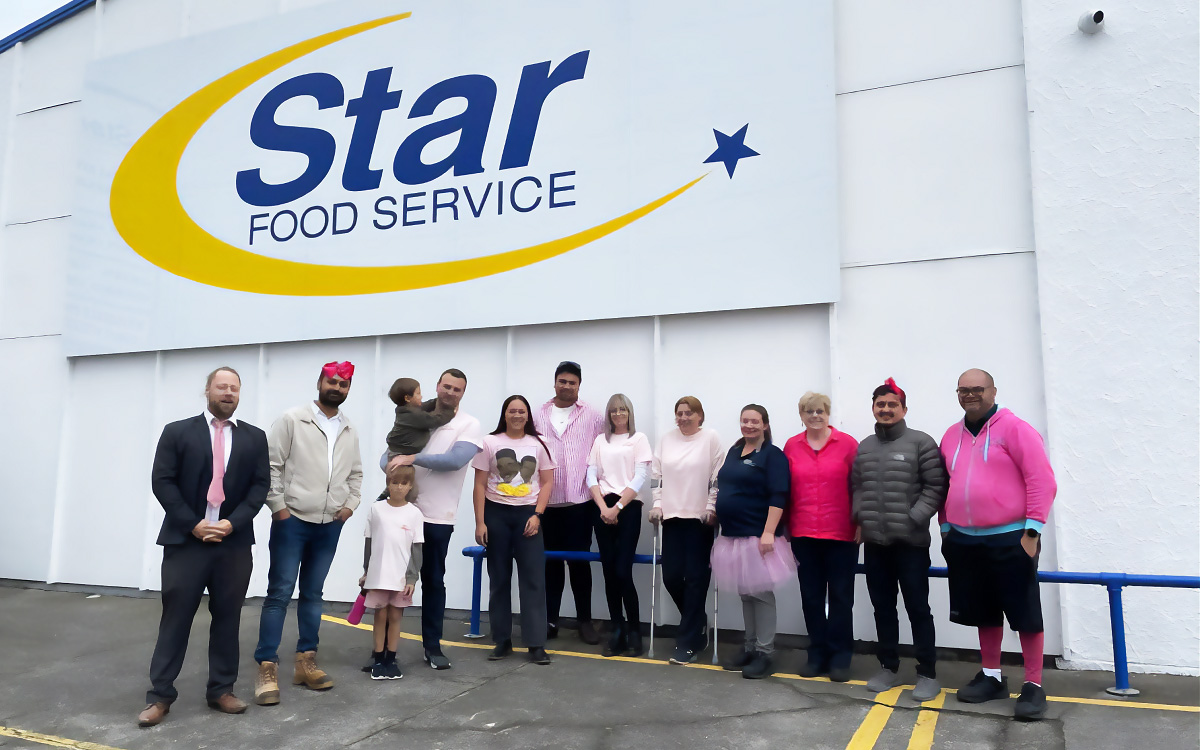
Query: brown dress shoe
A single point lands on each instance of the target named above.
(229, 704)
(153, 714)
(266, 684)
(309, 674)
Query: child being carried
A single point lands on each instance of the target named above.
(414, 420)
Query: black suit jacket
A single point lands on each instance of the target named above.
(183, 471)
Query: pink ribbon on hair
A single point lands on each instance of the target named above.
(343, 370)
(895, 388)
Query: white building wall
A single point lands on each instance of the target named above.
(938, 275)
(1114, 151)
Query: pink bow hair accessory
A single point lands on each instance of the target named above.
(343, 370)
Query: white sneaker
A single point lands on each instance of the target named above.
(926, 689)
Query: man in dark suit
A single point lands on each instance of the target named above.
(211, 475)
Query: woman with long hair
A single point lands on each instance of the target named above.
(751, 556)
(617, 468)
(514, 474)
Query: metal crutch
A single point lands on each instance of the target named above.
(716, 632)
(654, 549)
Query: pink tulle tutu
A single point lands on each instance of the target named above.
(737, 565)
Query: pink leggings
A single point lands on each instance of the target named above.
(1031, 651)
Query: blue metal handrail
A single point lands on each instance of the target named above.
(1113, 582)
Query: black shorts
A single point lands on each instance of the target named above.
(991, 580)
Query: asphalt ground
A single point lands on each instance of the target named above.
(73, 673)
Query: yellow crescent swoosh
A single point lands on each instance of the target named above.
(147, 213)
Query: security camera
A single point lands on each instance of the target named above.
(1091, 22)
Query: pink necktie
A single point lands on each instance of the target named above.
(216, 489)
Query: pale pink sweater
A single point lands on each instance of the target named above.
(685, 473)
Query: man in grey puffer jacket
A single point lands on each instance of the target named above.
(899, 483)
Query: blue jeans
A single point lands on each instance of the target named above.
(304, 551)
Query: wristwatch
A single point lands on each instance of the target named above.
(620, 505)
(538, 513)
(1032, 533)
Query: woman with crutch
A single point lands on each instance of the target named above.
(751, 556)
(617, 468)
(685, 472)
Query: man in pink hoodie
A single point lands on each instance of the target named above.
(1001, 488)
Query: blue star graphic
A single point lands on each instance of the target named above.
(731, 148)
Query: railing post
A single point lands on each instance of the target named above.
(476, 596)
(1120, 664)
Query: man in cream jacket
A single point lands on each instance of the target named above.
(316, 475)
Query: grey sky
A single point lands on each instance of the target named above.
(16, 14)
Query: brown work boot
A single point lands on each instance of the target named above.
(153, 714)
(229, 704)
(309, 674)
(266, 685)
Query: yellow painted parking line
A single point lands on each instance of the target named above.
(51, 740)
(782, 675)
(922, 733)
(872, 726)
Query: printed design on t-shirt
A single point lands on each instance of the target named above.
(516, 474)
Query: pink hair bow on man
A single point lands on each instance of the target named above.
(896, 389)
(343, 370)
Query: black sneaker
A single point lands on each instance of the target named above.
(683, 655)
(812, 668)
(615, 644)
(551, 631)
(538, 655)
(739, 662)
(759, 667)
(437, 661)
(633, 644)
(1031, 706)
(375, 659)
(501, 651)
(587, 633)
(393, 670)
(983, 689)
(379, 672)
(839, 674)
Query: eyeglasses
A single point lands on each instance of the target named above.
(976, 391)
(814, 412)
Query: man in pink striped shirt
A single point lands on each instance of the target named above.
(569, 427)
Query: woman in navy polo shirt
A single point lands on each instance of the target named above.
(751, 556)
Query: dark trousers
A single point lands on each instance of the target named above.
(825, 568)
(300, 552)
(433, 584)
(686, 547)
(569, 529)
(618, 544)
(507, 543)
(187, 570)
(903, 566)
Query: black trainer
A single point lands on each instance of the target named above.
(538, 655)
(633, 644)
(616, 642)
(739, 662)
(760, 666)
(437, 660)
(683, 655)
(839, 674)
(551, 631)
(812, 668)
(1031, 706)
(502, 650)
(379, 671)
(983, 689)
(376, 657)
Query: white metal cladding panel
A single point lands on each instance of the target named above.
(42, 167)
(33, 277)
(104, 495)
(935, 169)
(53, 63)
(128, 25)
(9, 64)
(880, 44)
(210, 15)
(37, 372)
(1114, 163)
(924, 324)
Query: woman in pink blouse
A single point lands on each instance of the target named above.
(824, 539)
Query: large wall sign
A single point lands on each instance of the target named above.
(363, 168)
